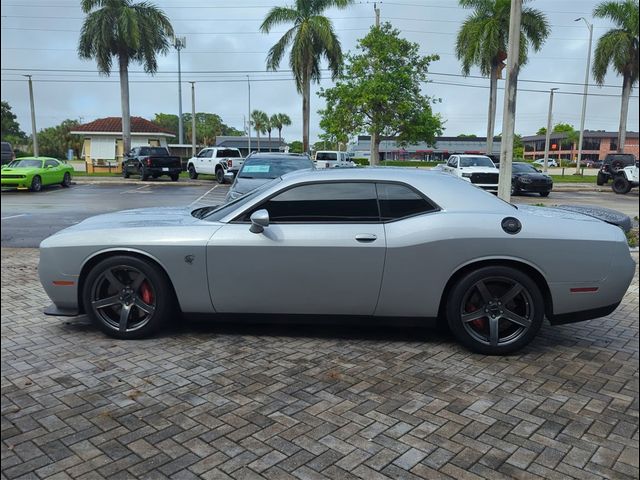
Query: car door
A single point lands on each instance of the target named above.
(52, 172)
(322, 253)
(206, 161)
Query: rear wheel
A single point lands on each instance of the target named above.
(193, 175)
(128, 297)
(220, 175)
(495, 310)
(544, 194)
(66, 180)
(175, 177)
(621, 185)
(601, 179)
(144, 176)
(125, 172)
(36, 184)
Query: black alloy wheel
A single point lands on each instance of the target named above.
(220, 175)
(621, 185)
(66, 180)
(495, 310)
(36, 184)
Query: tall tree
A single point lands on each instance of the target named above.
(618, 48)
(311, 38)
(259, 120)
(55, 141)
(279, 121)
(129, 32)
(380, 93)
(269, 127)
(10, 130)
(482, 42)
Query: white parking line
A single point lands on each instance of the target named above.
(204, 195)
(14, 216)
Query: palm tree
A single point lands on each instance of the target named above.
(311, 37)
(268, 127)
(131, 32)
(482, 42)
(279, 121)
(259, 120)
(618, 48)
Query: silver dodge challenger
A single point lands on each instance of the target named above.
(390, 243)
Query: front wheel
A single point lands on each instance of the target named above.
(601, 179)
(544, 194)
(125, 172)
(36, 184)
(220, 175)
(514, 190)
(495, 310)
(621, 185)
(144, 176)
(193, 175)
(66, 180)
(128, 297)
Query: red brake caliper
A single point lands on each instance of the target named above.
(146, 293)
(478, 322)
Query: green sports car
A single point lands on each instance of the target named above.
(35, 172)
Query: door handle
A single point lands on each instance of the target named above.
(366, 237)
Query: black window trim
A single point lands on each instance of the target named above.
(436, 208)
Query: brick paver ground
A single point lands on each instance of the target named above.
(304, 403)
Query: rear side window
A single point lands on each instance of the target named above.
(399, 201)
(324, 202)
(326, 156)
(228, 153)
(50, 163)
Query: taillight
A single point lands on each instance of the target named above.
(148, 162)
(230, 163)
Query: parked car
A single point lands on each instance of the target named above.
(477, 169)
(261, 168)
(550, 162)
(215, 161)
(332, 159)
(151, 162)
(526, 178)
(594, 163)
(371, 242)
(8, 155)
(612, 164)
(33, 173)
(626, 179)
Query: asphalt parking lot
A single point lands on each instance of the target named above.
(215, 401)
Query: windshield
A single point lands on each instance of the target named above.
(215, 213)
(26, 164)
(524, 168)
(159, 151)
(272, 167)
(476, 162)
(326, 156)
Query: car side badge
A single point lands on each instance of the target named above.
(511, 225)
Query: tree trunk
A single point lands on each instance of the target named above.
(306, 94)
(124, 100)
(624, 112)
(258, 135)
(493, 100)
(269, 139)
(375, 149)
(279, 138)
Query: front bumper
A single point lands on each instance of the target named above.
(24, 182)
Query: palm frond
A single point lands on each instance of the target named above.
(278, 15)
(274, 57)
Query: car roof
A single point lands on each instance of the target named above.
(37, 158)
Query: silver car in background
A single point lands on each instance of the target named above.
(371, 242)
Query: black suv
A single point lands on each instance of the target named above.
(8, 155)
(613, 163)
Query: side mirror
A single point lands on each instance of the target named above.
(538, 170)
(49, 166)
(229, 176)
(259, 220)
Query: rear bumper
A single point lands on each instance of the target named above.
(163, 170)
(56, 311)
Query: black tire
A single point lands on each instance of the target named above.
(175, 177)
(125, 172)
(36, 184)
(144, 176)
(491, 310)
(544, 194)
(66, 180)
(601, 179)
(129, 282)
(193, 175)
(514, 189)
(621, 185)
(220, 175)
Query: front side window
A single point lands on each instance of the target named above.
(453, 162)
(323, 203)
(206, 154)
(399, 201)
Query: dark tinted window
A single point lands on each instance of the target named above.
(157, 151)
(324, 202)
(399, 201)
(523, 168)
(228, 153)
(326, 156)
(267, 167)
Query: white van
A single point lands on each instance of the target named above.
(333, 159)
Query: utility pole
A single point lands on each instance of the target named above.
(377, 10)
(34, 134)
(548, 137)
(249, 117)
(509, 111)
(193, 119)
(586, 91)
(179, 43)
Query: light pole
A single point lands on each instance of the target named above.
(34, 135)
(586, 91)
(249, 117)
(548, 138)
(193, 119)
(179, 43)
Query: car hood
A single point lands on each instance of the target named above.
(20, 170)
(244, 185)
(138, 218)
(533, 176)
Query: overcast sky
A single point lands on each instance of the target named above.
(40, 37)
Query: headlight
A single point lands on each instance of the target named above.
(467, 175)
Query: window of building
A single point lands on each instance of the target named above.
(613, 144)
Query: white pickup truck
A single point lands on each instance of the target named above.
(477, 169)
(215, 161)
(332, 159)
